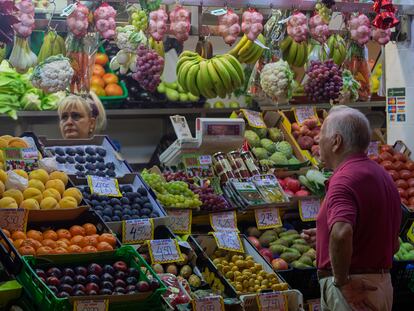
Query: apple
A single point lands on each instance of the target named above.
(120, 266)
(120, 290)
(130, 288)
(267, 254)
(154, 284)
(79, 279)
(143, 286)
(131, 280)
(133, 272)
(105, 291)
(108, 269)
(67, 280)
(78, 287)
(63, 295)
(234, 104)
(92, 293)
(119, 283)
(53, 289)
(107, 277)
(52, 280)
(107, 285)
(94, 268)
(93, 278)
(66, 288)
(219, 104)
(120, 275)
(255, 242)
(279, 264)
(293, 184)
(69, 272)
(41, 273)
(92, 287)
(81, 271)
(54, 272)
(79, 293)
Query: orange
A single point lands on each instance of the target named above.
(64, 240)
(89, 228)
(98, 70)
(110, 78)
(89, 249)
(88, 241)
(27, 250)
(61, 244)
(99, 90)
(49, 242)
(17, 243)
(44, 250)
(97, 81)
(34, 234)
(6, 232)
(76, 240)
(104, 246)
(60, 250)
(18, 235)
(31, 242)
(101, 59)
(74, 249)
(77, 230)
(113, 89)
(64, 233)
(108, 238)
(50, 234)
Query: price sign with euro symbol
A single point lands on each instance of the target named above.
(309, 208)
(226, 221)
(267, 218)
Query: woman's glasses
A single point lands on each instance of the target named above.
(75, 116)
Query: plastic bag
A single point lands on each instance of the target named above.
(15, 181)
(229, 27)
(48, 164)
(180, 23)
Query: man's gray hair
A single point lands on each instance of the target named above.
(352, 125)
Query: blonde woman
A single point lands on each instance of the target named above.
(80, 117)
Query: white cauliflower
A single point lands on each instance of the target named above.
(128, 39)
(53, 75)
(276, 79)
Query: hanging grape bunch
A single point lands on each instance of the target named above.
(323, 8)
(324, 81)
(149, 68)
(139, 20)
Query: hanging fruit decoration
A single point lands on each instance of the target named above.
(180, 23)
(104, 17)
(158, 24)
(252, 24)
(229, 27)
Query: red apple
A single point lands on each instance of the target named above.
(279, 264)
(293, 185)
(255, 242)
(120, 266)
(267, 254)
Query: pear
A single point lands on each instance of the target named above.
(161, 88)
(172, 95)
(183, 97)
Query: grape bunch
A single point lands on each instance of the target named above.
(178, 176)
(149, 68)
(324, 80)
(139, 20)
(324, 10)
(211, 201)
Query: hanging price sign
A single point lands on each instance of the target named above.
(226, 221)
(254, 118)
(308, 209)
(137, 230)
(273, 301)
(304, 113)
(104, 186)
(229, 240)
(267, 218)
(164, 251)
(14, 219)
(91, 305)
(209, 303)
(180, 220)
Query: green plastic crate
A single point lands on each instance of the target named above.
(44, 299)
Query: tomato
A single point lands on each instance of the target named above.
(401, 183)
(386, 156)
(399, 157)
(101, 59)
(410, 192)
(402, 193)
(409, 165)
(98, 81)
(411, 201)
(387, 165)
(398, 165)
(110, 78)
(98, 70)
(405, 174)
(394, 174)
(387, 148)
(410, 182)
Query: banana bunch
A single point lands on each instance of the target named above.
(218, 76)
(211, 279)
(294, 53)
(246, 51)
(204, 48)
(157, 46)
(53, 44)
(337, 49)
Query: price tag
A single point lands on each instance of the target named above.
(274, 301)
(180, 220)
(254, 118)
(267, 218)
(104, 186)
(91, 305)
(410, 233)
(164, 251)
(373, 148)
(69, 9)
(257, 41)
(303, 113)
(226, 221)
(209, 303)
(137, 230)
(218, 12)
(229, 240)
(308, 209)
(14, 219)
(180, 126)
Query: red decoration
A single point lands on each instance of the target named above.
(385, 18)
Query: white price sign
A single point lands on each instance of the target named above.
(267, 218)
(309, 208)
(304, 113)
(14, 219)
(137, 230)
(104, 186)
(180, 220)
(164, 251)
(90, 305)
(274, 301)
(229, 240)
(226, 221)
(209, 303)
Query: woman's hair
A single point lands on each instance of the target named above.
(92, 105)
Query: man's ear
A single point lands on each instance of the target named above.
(337, 143)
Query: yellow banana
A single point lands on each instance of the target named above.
(285, 44)
(245, 49)
(191, 80)
(218, 84)
(234, 76)
(239, 45)
(185, 59)
(223, 74)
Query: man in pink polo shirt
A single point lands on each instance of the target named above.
(358, 223)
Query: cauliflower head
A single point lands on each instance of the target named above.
(276, 79)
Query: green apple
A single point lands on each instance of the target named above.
(219, 104)
(234, 104)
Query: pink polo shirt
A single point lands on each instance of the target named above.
(361, 193)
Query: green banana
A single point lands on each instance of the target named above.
(182, 73)
(234, 76)
(236, 65)
(218, 84)
(249, 54)
(299, 56)
(207, 92)
(191, 78)
(188, 53)
(239, 45)
(185, 59)
(285, 44)
(255, 56)
(291, 53)
(223, 74)
(245, 49)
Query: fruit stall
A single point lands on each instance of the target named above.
(197, 192)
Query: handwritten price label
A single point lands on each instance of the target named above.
(226, 221)
(104, 186)
(137, 230)
(229, 240)
(308, 209)
(180, 220)
(14, 219)
(303, 113)
(254, 118)
(209, 303)
(91, 305)
(164, 251)
(267, 218)
(274, 301)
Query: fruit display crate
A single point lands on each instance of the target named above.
(134, 182)
(293, 298)
(94, 156)
(45, 299)
(10, 289)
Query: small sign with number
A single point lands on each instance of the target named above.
(254, 118)
(137, 230)
(104, 186)
(267, 218)
(308, 209)
(180, 220)
(91, 305)
(304, 113)
(229, 240)
(209, 303)
(164, 251)
(226, 221)
(14, 219)
(274, 301)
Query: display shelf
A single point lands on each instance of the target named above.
(357, 105)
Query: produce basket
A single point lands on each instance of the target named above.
(294, 300)
(43, 298)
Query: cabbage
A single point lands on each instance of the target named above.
(261, 132)
(260, 153)
(285, 148)
(31, 100)
(279, 158)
